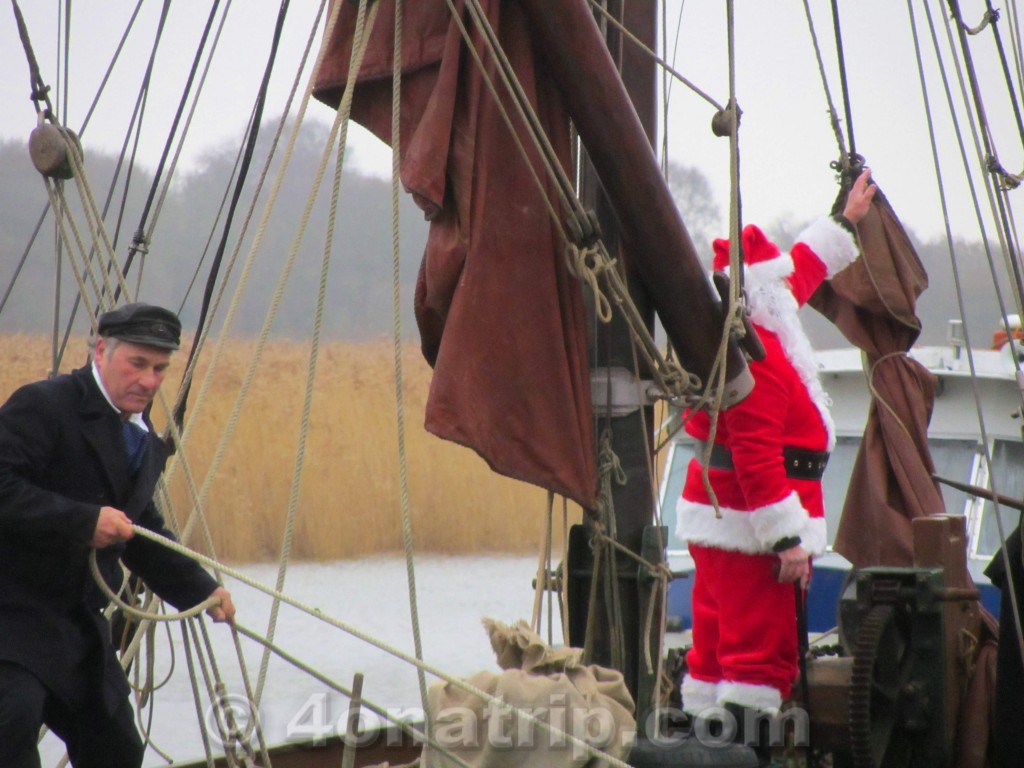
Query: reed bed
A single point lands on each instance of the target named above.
(349, 499)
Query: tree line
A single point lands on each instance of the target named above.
(173, 268)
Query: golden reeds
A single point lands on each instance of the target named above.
(349, 500)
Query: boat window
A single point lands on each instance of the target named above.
(678, 459)
(1008, 471)
(836, 480)
(954, 460)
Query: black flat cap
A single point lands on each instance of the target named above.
(140, 323)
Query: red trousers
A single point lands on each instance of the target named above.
(744, 626)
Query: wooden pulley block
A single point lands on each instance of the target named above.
(48, 147)
(725, 121)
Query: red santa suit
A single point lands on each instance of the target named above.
(765, 470)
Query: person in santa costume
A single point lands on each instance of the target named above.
(764, 465)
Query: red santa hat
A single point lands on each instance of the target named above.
(764, 263)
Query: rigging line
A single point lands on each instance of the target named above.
(141, 100)
(24, 258)
(252, 135)
(272, 312)
(201, 715)
(97, 229)
(732, 322)
(489, 83)
(247, 269)
(670, 81)
(341, 118)
(110, 67)
(65, 94)
(397, 653)
(665, 372)
(665, 89)
(247, 682)
(166, 184)
(207, 677)
(1006, 73)
(106, 207)
(654, 56)
(396, 323)
(138, 243)
(524, 108)
(135, 116)
(54, 194)
(992, 159)
(967, 339)
(837, 127)
(996, 192)
(1015, 43)
(202, 335)
(386, 713)
(307, 405)
(843, 80)
(59, 258)
(40, 91)
(81, 132)
(647, 429)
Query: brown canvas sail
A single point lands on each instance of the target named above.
(500, 318)
(873, 303)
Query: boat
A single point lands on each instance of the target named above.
(619, 211)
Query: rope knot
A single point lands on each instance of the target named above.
(586, 264)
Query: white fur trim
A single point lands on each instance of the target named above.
(772, 306)
(831, 243)
(768, 271)
(814, 537)
(786, 517)
(698, 695)
(760, 697)
(735, 531)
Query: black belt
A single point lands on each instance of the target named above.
(800, 463)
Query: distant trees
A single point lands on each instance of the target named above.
(359, 287)
(359, 304)
(696, 201)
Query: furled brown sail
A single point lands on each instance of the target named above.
(873, 303)
(500, 318)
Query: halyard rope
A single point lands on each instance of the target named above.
(457, 682)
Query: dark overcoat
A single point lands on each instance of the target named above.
(62, 457)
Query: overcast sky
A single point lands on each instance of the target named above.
(786, 142)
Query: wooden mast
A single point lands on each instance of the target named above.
(614, 109)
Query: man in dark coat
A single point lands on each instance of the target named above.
(1007, 734)
(79, 462)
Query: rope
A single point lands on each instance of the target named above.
(279, 288)
(1005, 180)
(670, 377)
(586, 265)
(837, 127)
(876, 395)
(459, 683)
(396, 324)
(147, 237)
(258, 189)
(140, 613)
(666, 67)
(967, 344)
(843, 80)
(240, 173)
(383, 712)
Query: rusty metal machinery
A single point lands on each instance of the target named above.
(889, 696)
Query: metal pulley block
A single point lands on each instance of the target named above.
(49, 145)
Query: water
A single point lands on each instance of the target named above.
(454, 594)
